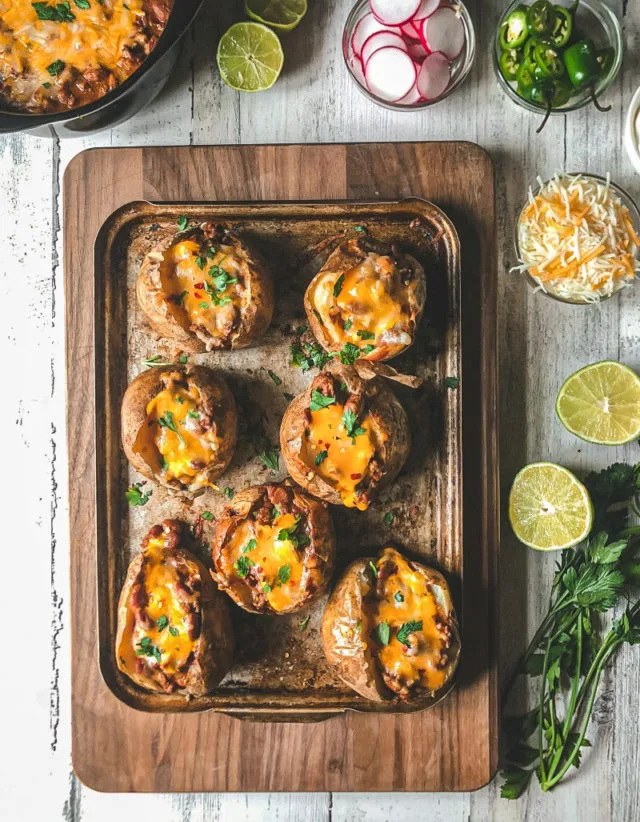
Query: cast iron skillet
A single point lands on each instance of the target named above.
(121, 103)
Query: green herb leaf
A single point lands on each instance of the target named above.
(56, 67)
(207, 515)
(135, 496)
(366, 335)
(398, 597)
(451, 382)
(368, 349)
(167, 421)
(516, 782)
(46, 85)
(270, 458)
(388, 518)
(381, 633)
(408, 628)
(348, 324)
(321, 457)
(276, 379)
(349, 353)
(156, 360)
(82, 4)
(319, 400)
(337, 288)
(242, 566)
(374, 569)
(304, 622)
(602, 552)
(284, 574)
(173, 631)
(201, 262)
(183, 222)
(228, 492)
(360, 229)
(266, 588)
(162, 622)
(249, 546)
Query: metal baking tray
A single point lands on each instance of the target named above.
(279, 671)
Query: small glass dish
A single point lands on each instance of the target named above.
(634, 215)
(596, 21)
(632, 132)
(460, 67)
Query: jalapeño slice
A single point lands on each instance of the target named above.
(514, 31)
(540, 18)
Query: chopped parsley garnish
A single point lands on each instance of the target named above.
(135, 496)
(46, 85)
(173, 631)
(180, 297)
(270, 457)
(207, 515)
(374, 569)
(211, 253)
(249, 546)
(321, 457)
(298, 540)
(60, 13)
(349, 353)
(368, 349)
(451, 382)
(183, 222)
(381, 633)
(195, 415)
(408, 628)
(299, 330)
(349, 420)
(167, 421)
(308, 355)
(220, 278)
(319, 400)
(398, 597)
(146, 648)
(201, 262)
(183, 358)
(82, 4)
(284, 574)
(318, 316)
(304, 622)
(56, 67)
(228, 492)
(360, 229)
(266, 587)
(366, 335)
(204, 305)
(162, 622)
(348, 324)
(389, 518)
(276, 379)
(155, 360)
(242, 566)
(337, 288)
(288, 397)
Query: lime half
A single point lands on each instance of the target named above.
(281, 14)
(601, 403)
(250, 57)
(549, 508)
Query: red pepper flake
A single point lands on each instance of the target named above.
(199, 285)
(356, 476)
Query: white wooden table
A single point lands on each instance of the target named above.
(540, 343)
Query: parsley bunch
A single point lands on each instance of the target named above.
(566, 655)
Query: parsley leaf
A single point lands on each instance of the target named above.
(162, 622)
(135, 496)
(381, 633)
(398, 597)
(284, 574)
(366, 335)
(321, 457)
(374, 569)
(201, 262)
(304, 622)
(228, 492)
(270, 457)
(249, 546)
(183, 222)
(173, 631)
(348, 324)
(276, 379)
(207, 515)
(388, 518)
(451, 382)
(82, 4)
(56, 67)
(408, 628)
(167, 421)
(349, 353)
(337, 288)
(242, 566)
(319, 400)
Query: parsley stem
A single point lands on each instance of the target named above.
(543, 690)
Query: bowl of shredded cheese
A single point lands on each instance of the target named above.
(577, 238)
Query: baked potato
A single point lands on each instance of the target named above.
(389, 629)
(369, 296)
(174, 631)
(273, 549)
(346, 437)
(205, 289)
(179, 426)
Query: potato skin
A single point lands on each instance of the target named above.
(347, 256)
(255, 314)
(386, 410)
(215, 394)
(319, 555)
(213, 655)
(349, 654)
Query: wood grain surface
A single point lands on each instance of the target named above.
(540, 343)
(452, 746)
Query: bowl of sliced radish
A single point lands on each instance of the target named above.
(408, 54)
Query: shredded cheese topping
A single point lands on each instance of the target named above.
(577, 239)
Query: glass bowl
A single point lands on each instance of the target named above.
(596, 21)
(460, 67)
(627, 201)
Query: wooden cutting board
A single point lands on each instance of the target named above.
(451, 747)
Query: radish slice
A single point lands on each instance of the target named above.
(394, 12)
(408, 30)
(411, 98)
(417, 51)
(358, 71)
(427, 7)
(365, 27)
(379, 41)
(390, 73)
(434, 76)
(443, 31)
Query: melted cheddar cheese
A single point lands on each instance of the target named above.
(45, 45)
(407, 597)
(171, 442)
(167, 640)
(347, 457)
(372, 306)
(203, 288)
(276, 562)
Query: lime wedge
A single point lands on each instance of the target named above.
(549, 508)
(280, 14)
(250, 57)
(601, 403)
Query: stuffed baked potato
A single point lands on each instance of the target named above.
(345, 437)
(205, 289)
(369, 296)
(179, 426)
(390, 631)
(174, 631)
(273, 549)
